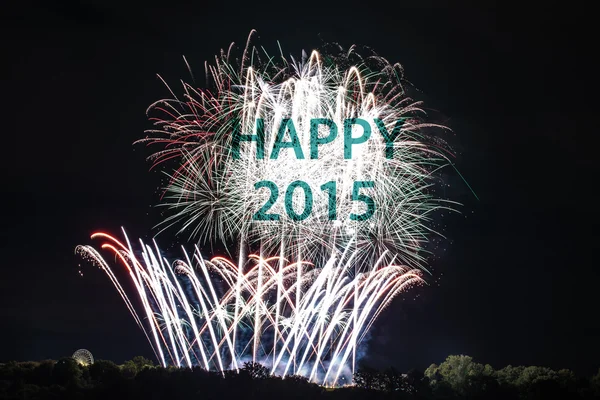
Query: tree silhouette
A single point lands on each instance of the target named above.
(105, 372)
(141, 362)
(458, 377)
(595, 384)
(129, 369)
(66, 372)
(255, 370)
(367, 378)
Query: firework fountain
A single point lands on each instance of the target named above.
(337, 132)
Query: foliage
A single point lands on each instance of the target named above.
(367, 378)
(255, 370)
(129, 369)
(141, 362)
(66, 372)
(594, 385)
(458, 377)
(105, 372)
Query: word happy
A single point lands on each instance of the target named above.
(287, 126)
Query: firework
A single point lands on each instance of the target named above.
(322, 161)
(213, 192)
(310, 326)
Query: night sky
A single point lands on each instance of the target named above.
(517, 283)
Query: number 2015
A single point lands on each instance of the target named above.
(329, 187)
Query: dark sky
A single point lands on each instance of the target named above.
(517, 285)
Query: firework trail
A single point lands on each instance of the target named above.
(305, 310)
(314, 337)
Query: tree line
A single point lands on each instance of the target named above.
(458, 377)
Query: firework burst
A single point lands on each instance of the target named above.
(334, 176)
(213, 194)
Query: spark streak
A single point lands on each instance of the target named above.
(189, 306)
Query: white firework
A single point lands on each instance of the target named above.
(216, 191)
(294, 317)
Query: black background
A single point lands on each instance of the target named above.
(516, 285)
